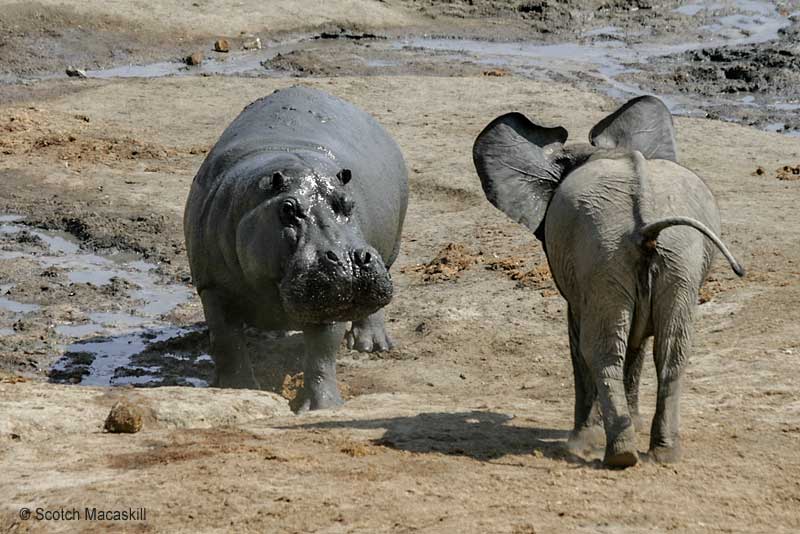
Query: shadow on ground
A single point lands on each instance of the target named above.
(479, 435)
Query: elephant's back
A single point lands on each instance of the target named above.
(593, 219)
(615, 196)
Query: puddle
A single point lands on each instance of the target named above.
(100, 351)
(17, 307)
(230, 64)
(600, 64)
(107, 361)
(129, 341)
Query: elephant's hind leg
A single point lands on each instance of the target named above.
(587, 432)
(604, 335)
(673, 340)
(634, 359)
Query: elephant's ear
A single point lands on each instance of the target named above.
(518, 164)
(643, 124)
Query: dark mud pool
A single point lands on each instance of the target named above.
(130, 341)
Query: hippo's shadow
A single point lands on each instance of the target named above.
(172, 356)
(476, 434)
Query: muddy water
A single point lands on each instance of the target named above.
(603, 60)
(102, 349)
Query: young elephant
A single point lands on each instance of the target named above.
(292, 223)
(629, 235)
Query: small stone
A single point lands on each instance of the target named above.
(195, 59)
(74, 72)
(252, 44)
(222, 45)
(124, 418)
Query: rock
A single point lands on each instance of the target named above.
(252, 44)
(222, 45)
(195, 59)
(124, 418)
(74, 72)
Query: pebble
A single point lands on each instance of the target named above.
(195, 59)
(252, 44)
(74, 72)
(222, 45)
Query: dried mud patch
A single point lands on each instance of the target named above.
(538, 277)
(447, 264)
(788, 173)
(364, 59)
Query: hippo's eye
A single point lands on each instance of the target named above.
(289, 212)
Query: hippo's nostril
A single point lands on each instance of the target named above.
(362, 257)
(332, 256)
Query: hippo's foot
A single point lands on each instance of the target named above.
(235, 376)
(369, 334)
(621, 450)
(319, 398)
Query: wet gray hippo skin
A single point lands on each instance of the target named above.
(292, 223)
(630, 236)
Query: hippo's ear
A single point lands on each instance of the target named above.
(520, 164)
(643, 124)
(344, 176)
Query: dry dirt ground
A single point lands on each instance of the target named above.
(462, 427)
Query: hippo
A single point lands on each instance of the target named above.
(292, 223)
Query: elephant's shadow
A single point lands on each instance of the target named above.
(480, 435)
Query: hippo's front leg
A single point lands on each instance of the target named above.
(319, 369)
(232, 367)
(369, 334)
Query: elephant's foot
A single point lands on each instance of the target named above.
(665, 454)
(621, 450)
(369, 334)
(586, 439)
(319, 397)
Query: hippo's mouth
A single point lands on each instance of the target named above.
(318, 297)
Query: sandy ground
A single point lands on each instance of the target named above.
(461, 427)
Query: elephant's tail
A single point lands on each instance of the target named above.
(650, 233)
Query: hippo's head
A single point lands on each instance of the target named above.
(305, 236)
